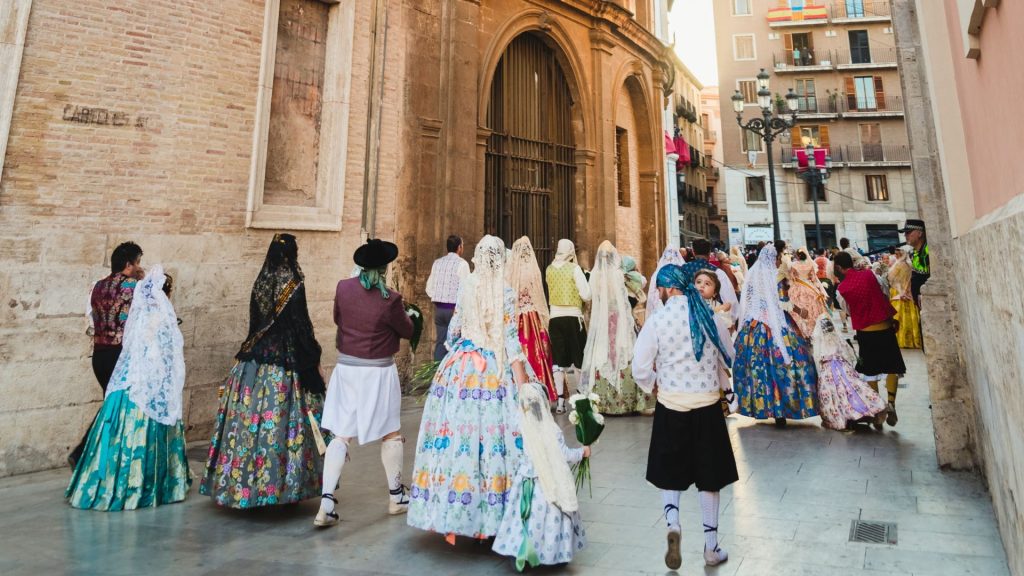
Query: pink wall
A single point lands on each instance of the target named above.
(991, 90)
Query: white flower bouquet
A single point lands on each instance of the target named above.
(589, 424)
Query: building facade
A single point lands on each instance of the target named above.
(839, 58)
(961, 75)
(692, 163)
(718, 211)
(199, 132)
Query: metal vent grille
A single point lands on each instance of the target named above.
(873, 532)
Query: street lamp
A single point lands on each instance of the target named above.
(768, 127)
(816, 176)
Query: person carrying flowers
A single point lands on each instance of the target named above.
(678, 353)
(541, 524)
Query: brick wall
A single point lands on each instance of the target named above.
(162, 157)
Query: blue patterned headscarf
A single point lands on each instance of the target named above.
(702, 319)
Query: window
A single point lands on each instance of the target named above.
(810, 190)
(748, 88)
(882, 236)
(303, 105)
(755, 189)
(864, 93)
(828, 236)
(743, 47)
(860, 52)
(622, 164)
(878, 187)
(741, 7)
(751, 141)
(816, 135)
(871, 142)
(854, 8)
(799, 49)
(808, 100)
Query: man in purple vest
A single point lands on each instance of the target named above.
(364, 397)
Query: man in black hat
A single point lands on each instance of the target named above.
(364, 398)
(917, 238)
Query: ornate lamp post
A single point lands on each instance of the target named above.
(768, 127)
(816, 176)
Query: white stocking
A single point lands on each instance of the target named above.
(391, 455)
(559, 381)
(709, 509)
(670, 501)
(334, 460)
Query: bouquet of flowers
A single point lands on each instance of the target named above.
(589, 424)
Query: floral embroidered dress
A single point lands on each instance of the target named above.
(542, 522)
(773, 373)
(843, 396)
(807, 294)
(134, 455)
(263, 450)
(610, 339)
(532, 314)
(909, 332)
(469, 444)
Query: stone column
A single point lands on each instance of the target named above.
(953, 412)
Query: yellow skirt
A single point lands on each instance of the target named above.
(909, 333)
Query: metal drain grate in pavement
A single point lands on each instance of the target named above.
(873, 532)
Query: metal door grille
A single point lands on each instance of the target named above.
(531, 156)
(873, 532)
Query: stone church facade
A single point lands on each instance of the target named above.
(199, 129)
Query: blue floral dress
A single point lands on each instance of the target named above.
(555, 536)
(765, 385)
(469, 445)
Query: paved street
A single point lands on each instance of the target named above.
(799, 490)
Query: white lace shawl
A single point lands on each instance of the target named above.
(542, 447)
(151, 366)
(671, 255)
(827, 344)
(481, 304)
(760, 297)
(524, 277)
(612, 331)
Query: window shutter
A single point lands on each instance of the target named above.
(795, 139)
(879, 93)
(869, 7)
(823, 135)
(851, 93)
(788, 40)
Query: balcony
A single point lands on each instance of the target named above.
(710, 136)
(872, 155)
(872, 106)
(813, 107)
(787, 61)
(874, 59)
(857, 156)
(859, 11)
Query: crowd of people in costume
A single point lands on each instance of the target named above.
(708, 334)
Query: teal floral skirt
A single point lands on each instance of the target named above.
(130, 461)
(263, 451)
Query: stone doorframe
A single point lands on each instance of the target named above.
(559, 40)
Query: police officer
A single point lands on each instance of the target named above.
(919, 263)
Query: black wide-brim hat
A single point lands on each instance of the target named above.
(376, 253)
(912, 225)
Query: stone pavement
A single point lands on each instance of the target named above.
(799, 490)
